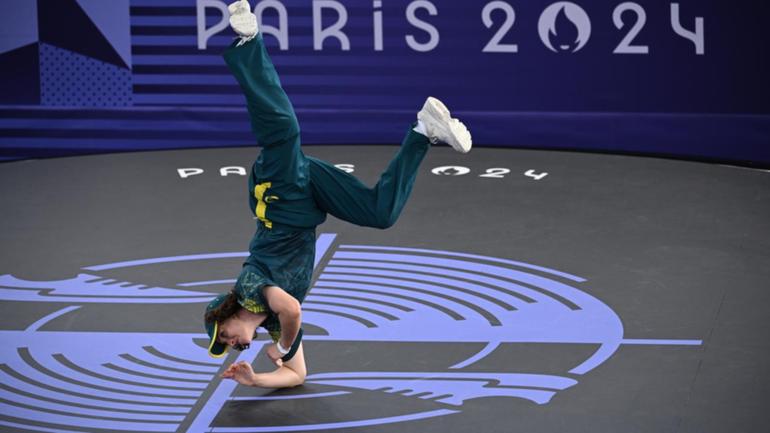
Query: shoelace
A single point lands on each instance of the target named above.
(245, 39)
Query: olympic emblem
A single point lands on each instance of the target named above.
(165, 382)
(564, 27)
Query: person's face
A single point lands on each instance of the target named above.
(235, 333)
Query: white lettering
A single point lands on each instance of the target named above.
(536, 176)
(695, 37)
(377, 26)
(451, 170)
(497, 173)
(224, 171)
(347, 168)
(625, 46)
(203, 33)
(184, 173)
(335, 30)
(282, 31)
(411, 16)
(494, 45)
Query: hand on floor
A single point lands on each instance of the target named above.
(240, 372)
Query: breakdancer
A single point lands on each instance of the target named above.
(290, 194)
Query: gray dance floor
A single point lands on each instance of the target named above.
(520, 291)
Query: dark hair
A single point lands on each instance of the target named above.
(225, 310)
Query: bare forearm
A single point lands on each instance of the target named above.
(290, 324)
(291, 373)
(289, 313)
(283, 377)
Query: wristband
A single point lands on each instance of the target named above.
(281, 349)
(294, 347)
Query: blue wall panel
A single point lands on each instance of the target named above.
(683, 79)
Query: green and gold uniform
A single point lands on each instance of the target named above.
(291, 193)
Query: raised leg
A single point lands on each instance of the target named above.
(344, 196)
(281, 168)
(272, 116)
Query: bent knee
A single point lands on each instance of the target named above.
(386, 222)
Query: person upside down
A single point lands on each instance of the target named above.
(290, 194)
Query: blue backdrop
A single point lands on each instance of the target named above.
(685, 78)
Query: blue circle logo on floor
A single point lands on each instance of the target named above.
(364, 293)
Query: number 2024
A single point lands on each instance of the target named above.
(626, 45)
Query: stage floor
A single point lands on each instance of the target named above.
(520, 291)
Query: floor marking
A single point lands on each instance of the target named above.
(37, 325)
(290, 397)
(322, 245)
(469, 256)
(218, 398)
(640, 341)
(206, 283)
(130, 263)
(489, 348)
(336, 425)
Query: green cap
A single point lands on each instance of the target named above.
(216, 349)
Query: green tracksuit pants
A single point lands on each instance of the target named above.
(289, 189)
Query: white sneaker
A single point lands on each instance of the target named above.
(441, 127)
(243, 21)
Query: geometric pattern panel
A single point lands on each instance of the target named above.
(65, 24)
(18, 24)
(112, 18)
(71, 79)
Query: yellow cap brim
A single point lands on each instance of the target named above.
(216, 349)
